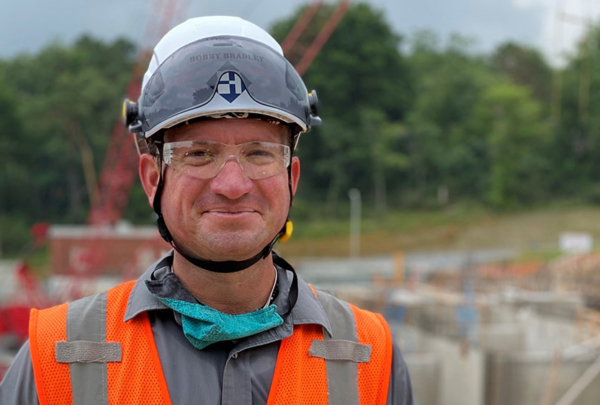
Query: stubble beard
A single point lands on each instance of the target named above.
(229, 244)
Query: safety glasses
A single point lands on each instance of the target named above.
(205, 159)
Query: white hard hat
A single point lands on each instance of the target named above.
(215, 67)
(205, 27)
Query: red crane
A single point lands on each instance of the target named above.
(107, 204)
(302, 56)
(120, 163)
(119, 168)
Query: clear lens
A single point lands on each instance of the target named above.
(205, 159)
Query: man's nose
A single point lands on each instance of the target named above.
(231, 181)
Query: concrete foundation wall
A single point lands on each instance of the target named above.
(446, 371)
(424, 375)
(524, 378)
(458, 371)
(543, 333)
(502, 338)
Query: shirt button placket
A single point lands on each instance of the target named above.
(236, 381)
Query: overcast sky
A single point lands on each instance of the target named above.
(28, 25)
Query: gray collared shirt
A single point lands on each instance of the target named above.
(226, 373)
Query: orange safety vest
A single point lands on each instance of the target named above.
(135, 375)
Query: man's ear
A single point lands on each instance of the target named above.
(149, 175)
(295, 173)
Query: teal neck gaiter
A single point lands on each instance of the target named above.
(204, 326)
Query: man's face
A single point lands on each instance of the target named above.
(228, 217)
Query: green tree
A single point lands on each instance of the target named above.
(360, 68)
(517, 139)
(15, 179)
(524, 66)
(65, 100)
(74, 95)
(576, 141)
(446, 152)
(387, 156)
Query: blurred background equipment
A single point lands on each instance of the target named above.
(472, 221)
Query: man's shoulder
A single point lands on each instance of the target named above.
(341, 312)
(325, 295)
(89, 297)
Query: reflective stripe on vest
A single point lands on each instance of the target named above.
(357, 376)
(86, 324)
(342, 375)
(76, 357)
(73, 351)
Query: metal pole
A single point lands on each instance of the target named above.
(355, 208)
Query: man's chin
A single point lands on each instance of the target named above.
(235, 246)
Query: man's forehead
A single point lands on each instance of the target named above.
(229, 130)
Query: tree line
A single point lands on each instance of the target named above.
(415, 122)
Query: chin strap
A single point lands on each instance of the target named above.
(229, 266)
(293, 297)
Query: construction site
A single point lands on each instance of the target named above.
(477, 332)
(475, 327)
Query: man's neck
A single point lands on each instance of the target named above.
(232, 293)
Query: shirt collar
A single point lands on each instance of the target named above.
(308, 309)
(140, 299)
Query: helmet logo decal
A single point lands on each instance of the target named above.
(230, 86)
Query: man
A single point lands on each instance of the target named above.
(221, 319)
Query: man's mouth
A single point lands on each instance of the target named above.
(231, 212)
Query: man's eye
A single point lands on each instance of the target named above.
(196, 153)
(199, 156)
(260, 153)
(260, 157)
